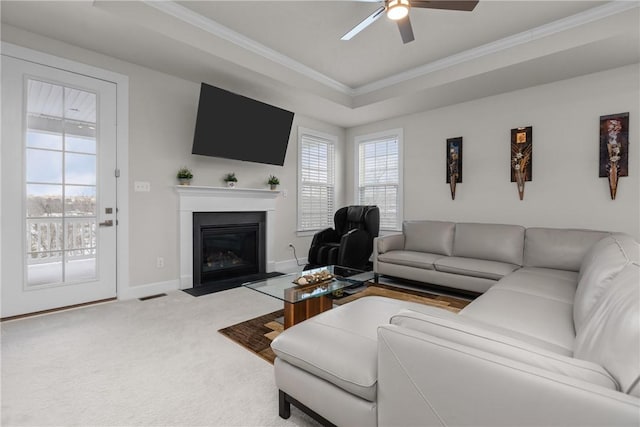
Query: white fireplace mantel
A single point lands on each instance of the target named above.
(193, 198)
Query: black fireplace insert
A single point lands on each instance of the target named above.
(227, 245)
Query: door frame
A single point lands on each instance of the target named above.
(122, 145)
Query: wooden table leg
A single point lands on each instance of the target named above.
(302, 310)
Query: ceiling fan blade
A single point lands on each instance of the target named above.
(406, 32)
(364, 24)
(448, 5)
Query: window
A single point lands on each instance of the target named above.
(316, 176)
(61, 177)
(378, 175)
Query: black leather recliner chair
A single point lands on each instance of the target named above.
(350, 243)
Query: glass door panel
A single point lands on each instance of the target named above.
(61, 209)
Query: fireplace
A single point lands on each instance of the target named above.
(200, 199)
(227, 245)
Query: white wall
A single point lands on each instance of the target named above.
(162, 116)
(565, 191)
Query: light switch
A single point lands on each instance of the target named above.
(142, 186)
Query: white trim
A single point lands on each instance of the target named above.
(205, 191)
(209, 25)
(331, 139)
(122, 144)
(582, 18)
(290, 265)
(220, 199)
(391, 133)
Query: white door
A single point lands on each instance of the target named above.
(58, 188)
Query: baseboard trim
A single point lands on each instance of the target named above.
(141, 291)
(290, 265)
(55, 310)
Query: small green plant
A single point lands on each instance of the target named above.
(230, 177)
(184, 173)
(273, 180)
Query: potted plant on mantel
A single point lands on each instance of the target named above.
(184, 176)
(273, 182)
(231, 179)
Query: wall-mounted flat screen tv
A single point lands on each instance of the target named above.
(235, 127)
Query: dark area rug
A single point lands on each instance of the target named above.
(256, 334)
(223, 285)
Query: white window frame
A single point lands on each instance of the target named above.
(329, 139)
(387, 134)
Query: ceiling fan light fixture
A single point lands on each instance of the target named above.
(397, 9)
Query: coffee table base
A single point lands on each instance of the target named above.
(302, 310)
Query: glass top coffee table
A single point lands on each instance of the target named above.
(304, 301)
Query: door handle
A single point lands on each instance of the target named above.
(107, 223)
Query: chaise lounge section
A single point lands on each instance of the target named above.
(556, 341)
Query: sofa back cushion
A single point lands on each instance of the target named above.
(560, 249)
(599, 266)
(435, 237)
(610, 335)
(493, 242)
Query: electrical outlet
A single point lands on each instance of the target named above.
(284, 196)
(160, 262)
(141, 186)
(291, 245)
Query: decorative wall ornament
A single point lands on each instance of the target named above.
(521, 157)
(454, 163)
(614, 149)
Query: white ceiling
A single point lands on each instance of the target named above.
(289, 53)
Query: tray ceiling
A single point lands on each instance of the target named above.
(289, 52)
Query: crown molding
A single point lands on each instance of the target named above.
(209, 25)
(188, 16)
(545, 30)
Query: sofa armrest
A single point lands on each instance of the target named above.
(355, 249)
(382, 244)
(426, 380)
(386, 243)
(390, 242)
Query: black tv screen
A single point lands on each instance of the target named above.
(235, 127)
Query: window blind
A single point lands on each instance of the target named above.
(379, 178)
(316, 187)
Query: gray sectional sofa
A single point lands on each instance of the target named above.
(554, 339)
(473, 257)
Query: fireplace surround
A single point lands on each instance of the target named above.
(195, 199)
(227, 245)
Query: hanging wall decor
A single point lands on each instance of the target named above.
(614, 149)
(521, 157)
(454, 164)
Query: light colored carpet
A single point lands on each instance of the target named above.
(154, 362)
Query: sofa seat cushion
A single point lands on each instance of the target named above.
(410, 259)
(498, 342)
(542, 282)
(475, 267)
(340, 345)
(542, 318)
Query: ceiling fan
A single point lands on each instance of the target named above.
(398, 10)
